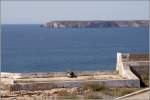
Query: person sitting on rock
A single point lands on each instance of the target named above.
(71, 74)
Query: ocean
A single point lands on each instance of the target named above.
(31, 48)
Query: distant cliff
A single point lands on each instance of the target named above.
(96, 24)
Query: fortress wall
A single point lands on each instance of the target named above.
(140, 69)
(132, 66)
(124, 69)
(71, 84)
(119, 64)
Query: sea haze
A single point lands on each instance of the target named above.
(31, 48)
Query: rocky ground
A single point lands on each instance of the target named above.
(87, 91)
(55, 94)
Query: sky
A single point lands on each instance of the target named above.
(37, 12)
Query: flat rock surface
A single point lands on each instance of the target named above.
(80, 78)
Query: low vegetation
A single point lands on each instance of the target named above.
(92, 95)
(64, 94)
(5, 86)
(119, 91)
(86, 91)
(108, 90)
(93, 86)
(145, 79)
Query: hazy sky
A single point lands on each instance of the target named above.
(25, 12)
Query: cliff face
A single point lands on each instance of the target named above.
(96, 24)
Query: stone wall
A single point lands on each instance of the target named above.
(123, 67)
(140, 68)
(71, 84)
(132, 66)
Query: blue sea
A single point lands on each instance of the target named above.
(31, 48)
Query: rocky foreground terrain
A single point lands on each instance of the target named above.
(87, 91)
(96, 24)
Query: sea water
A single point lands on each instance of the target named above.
(31, 48)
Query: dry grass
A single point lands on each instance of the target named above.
(119, 91)
(64, 94)
(5, 86)
(92, 95)
(108, 90)
(145, 78)
(93, 86)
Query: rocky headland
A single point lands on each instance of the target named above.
(96, 24)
